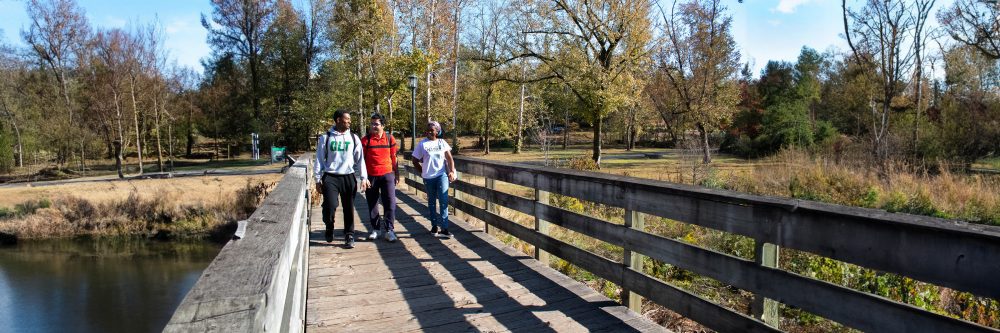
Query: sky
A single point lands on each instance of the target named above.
(764, 29)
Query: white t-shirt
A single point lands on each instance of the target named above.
(431, 156)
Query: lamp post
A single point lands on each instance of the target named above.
(412, 83)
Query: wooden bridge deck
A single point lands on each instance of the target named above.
(471, 282)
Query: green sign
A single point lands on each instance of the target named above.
(277, 154)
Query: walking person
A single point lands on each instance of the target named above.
(338, 157)
(433, 157)
(383, 172)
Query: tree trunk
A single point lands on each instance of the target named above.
(454, 81)
(170, 142)
(190, 132)
(520, 123)
(565, 128)
(159, 147)
(597, 141)
(121, 136)
(138, 134)
(361, 96)
(486, 123)
(118, 158)
(706, 156)
(430, 48)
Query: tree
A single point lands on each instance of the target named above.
(239, 26)
(974, 23)
(57, 34)
(111, 64)
(595, 49)
(700, 61)
(882, 31)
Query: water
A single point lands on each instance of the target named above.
(107, 285)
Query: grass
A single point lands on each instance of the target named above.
(990, 163)
(106, 167)
(170, 208)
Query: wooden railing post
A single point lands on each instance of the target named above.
(765, 309)
(490, 207)
(541, 198)
(458, 197)
(633, 260)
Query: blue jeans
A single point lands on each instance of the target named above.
(437, 192)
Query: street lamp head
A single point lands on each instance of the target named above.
(412, 83)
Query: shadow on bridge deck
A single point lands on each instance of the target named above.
(469, 283)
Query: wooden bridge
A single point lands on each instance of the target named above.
(281, 276)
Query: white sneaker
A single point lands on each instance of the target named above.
(373, 236)
(390, 236)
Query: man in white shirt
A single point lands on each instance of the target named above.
(338, 158)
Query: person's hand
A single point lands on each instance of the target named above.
(451, 176)
(397, 180)
(365, 184)
(319, 188)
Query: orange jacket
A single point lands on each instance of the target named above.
(380, 154)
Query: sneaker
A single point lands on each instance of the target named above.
(434, 230)
(329, 235)
(373, 236)
(444, 234)
(349, 242)
(390, 236)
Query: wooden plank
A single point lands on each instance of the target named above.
(541, 226)
(593, 263)
(587, 225)
(849, 307)
(467, 283)
(633, 260)
(692, 306)
(765, 309)
(247, 285)
(949, 253)
(727, 320)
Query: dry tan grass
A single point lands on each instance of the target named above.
(203, 189)
(180, 207)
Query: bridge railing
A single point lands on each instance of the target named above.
(258, 283)
(946, 253)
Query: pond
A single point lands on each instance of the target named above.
(97, 285)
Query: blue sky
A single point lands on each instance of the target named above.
(180, 20)
(764, 29)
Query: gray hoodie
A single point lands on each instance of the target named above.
(335, 155)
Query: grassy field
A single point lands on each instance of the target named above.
(178, 207)
(186, 190)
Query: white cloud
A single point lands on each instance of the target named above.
(788, 6)
(774, 23)
(115, 22)
(185, 40)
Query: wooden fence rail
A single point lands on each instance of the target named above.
(258, 283)
(947, 253)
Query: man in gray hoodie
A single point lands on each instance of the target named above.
(338, 158)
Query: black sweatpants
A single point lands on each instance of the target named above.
(345, 187)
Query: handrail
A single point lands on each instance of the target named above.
(949, 253)
(258, 283)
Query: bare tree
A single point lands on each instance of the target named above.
(112, 61)
(922, 10)
(700, 62)
(56, 34)
(975, 23)
(881, 39)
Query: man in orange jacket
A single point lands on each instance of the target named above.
(380, 161)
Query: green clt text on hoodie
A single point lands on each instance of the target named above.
(339, 154)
